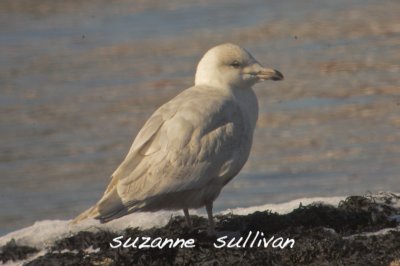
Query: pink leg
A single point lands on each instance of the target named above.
(211, 228)
(187, 217)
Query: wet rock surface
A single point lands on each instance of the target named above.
(13, 252)
(324, 235)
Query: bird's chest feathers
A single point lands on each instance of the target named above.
(217, 133)
(230, 136)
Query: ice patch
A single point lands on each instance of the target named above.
(22, 262)
(383, 231)
(43, 233)
(90, 250)
(283, 208)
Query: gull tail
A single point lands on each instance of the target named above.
(92, 212)
(105, 210)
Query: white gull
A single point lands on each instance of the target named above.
(193, 145)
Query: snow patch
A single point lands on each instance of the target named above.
(43, 233)
(284, 208)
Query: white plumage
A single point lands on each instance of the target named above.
(192, 145)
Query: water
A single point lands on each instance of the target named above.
(79, 79)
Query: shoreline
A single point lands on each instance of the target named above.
(361, 229)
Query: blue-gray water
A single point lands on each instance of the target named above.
(79, 78)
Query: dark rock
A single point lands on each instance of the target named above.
(324, 235)
(13, 252)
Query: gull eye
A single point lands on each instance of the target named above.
(235, 64)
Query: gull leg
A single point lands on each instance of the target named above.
(211, 228)
(188, 220)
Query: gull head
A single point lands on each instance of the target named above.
(231, 66)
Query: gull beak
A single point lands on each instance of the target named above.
(263, 74)
(268, 73)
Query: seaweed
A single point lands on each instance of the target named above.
(324, 235)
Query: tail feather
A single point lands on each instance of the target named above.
(106, 209)
(89, 213)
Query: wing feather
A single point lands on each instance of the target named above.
(183, 146)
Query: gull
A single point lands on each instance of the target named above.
(193, 145)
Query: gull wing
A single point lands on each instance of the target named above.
(189, 141)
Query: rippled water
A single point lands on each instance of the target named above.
(79, 78)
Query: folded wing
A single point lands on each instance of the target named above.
(183, 146)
